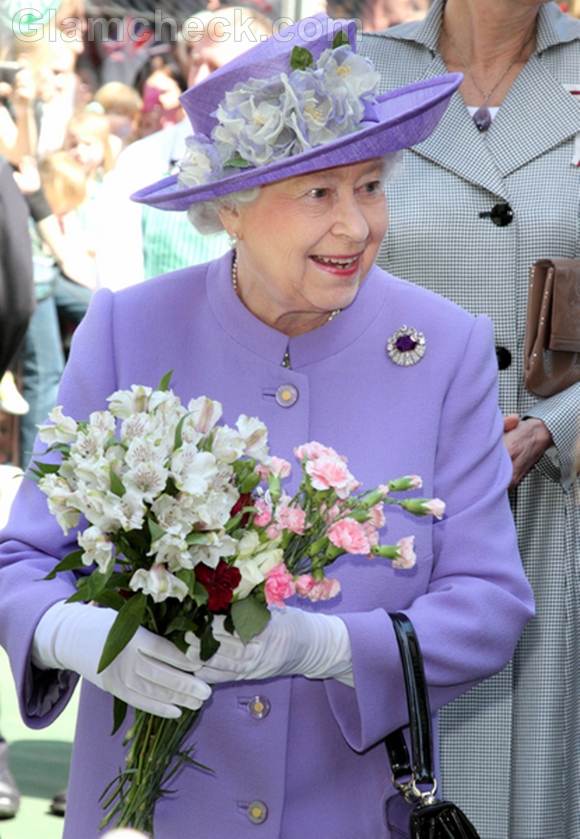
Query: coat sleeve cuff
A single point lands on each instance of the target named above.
(561, 416)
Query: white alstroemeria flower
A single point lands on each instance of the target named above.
(227, 444)
(174, 514)
(158, 583)
(147, 479)
(98, 549)
(135, 426)
(103, 509)
(133, 510)
(63, 429)
(248, 544)
(62, 502)
(91, 474)
(102, 423)
(123, 403)
(205, 413)
(171, 550)
(212, 549)
(214, 508)
(193, 471)
(255, 436)
(255, 568)
(143, 451)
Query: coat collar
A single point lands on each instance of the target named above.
(311, 347)
(554, 28)
(486, 159)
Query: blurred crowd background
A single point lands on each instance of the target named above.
(89, 113)
(83, 86)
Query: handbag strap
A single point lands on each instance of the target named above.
(420, 766)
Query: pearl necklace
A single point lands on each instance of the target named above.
(286, 358)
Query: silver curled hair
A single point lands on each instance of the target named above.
(205, 215)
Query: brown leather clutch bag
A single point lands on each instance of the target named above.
(552, 343)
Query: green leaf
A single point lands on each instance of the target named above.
(111, 599)
(154, 529)
(208, 645)
(119, 714)
(250, 617)
(69, 563)
(237, 162)
(249, 483)
(46, 468)
(229, 624)
(196, 537)
(301, 58)
(340, 39)
(165, 381)
(90, 588)
(126, 624)
(200, 594)
(178, 442)
(180, 624)
(116, 483)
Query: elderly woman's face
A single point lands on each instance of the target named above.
(308, 242)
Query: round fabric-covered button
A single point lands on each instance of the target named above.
(286, 396)
(257, 812)
(259, 707)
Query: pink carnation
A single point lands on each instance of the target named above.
(279, 467)
(263, 517)
(378, 516)
(279, 585)
(407, 557)
(272, 531)
(291, 518)
(435, 507)
(324, 590)
(328, 472)
(371, 532)
(314, 450)
(349, 535)
(330, 514)
(304, 585)
(263, 471)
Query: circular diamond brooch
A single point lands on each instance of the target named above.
(406, 346)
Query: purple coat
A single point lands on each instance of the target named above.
(316, 760)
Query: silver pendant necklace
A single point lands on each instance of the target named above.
(286, 357)
(482, 117)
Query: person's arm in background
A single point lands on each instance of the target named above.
(71, 259)
(16, 286)
(18, 132)
(118, 227)
(550, 422)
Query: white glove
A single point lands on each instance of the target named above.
(150, 673)
(295, 642)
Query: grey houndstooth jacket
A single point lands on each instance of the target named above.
(511, 747)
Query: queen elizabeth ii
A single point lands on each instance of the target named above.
(296, 325)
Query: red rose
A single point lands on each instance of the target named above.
(245, 500)
(220, 583)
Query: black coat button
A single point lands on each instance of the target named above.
(500, 214)
(504, 357)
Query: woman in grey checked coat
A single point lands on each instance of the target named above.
(511, 747)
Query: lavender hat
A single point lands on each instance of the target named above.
(301, 101)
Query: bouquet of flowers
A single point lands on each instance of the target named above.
(180, 518)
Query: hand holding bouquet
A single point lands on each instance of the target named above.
(181, 519)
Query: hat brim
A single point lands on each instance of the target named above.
(406, 116)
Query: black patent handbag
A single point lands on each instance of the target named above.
(415, 813)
